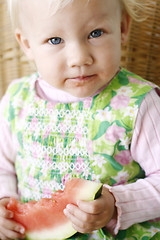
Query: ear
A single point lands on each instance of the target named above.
(24, 43)
(125, 27)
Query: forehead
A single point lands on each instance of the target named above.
(39, 16)
(52, 7)
(55, 5)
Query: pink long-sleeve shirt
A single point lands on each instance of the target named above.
(136, 202)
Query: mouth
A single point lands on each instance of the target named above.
(81, 79)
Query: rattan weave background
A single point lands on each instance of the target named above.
(141, 54)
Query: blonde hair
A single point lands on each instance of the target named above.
(136, 9)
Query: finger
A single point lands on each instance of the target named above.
(11, 225)
(3, 211)
(78, 225)
(87, 228)
(92, 207)
(73, 218)
(2, 237)
(4, 201)
(82, 230)
(84, 222)
(80, 215)
(9, 234)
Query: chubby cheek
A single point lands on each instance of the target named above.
(51, 71)
(110, 62)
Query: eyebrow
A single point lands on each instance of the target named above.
(98, 18)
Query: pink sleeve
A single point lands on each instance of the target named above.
(8, 182)
(140, 201)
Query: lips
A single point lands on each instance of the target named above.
(80, 81)
(81, 78)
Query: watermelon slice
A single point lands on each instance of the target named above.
(44, 219)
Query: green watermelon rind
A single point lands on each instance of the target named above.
(60, 233)
(88, 192)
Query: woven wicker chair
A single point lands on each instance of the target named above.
(141, 55)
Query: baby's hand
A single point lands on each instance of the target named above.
(93, 215)
(9, 229)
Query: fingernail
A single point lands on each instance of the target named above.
(66, 213)
(69, 206)
(22, 230)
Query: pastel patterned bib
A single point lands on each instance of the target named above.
(88, 139)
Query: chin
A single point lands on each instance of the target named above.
(81, 95)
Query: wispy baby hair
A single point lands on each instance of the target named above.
(135, 8)
(14, 8)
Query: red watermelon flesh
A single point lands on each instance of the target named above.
(44, 219)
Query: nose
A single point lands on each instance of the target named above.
(79, 55)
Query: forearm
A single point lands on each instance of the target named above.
(140, 201)
(8, 180)
(8, 185)
(136, 202)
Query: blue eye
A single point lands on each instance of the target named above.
(96, 33)
(55, 40)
